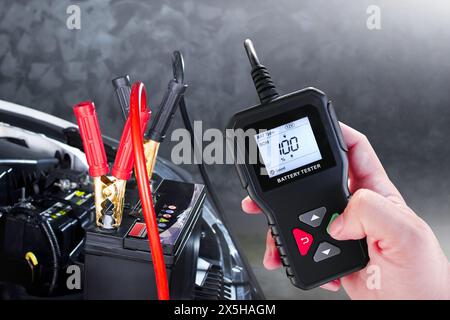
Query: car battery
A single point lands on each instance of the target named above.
(118, 264)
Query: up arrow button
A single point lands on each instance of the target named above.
(314, 217)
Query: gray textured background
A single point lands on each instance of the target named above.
(392, 84)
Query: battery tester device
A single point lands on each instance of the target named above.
(299, 178)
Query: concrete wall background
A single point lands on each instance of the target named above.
(392, 84)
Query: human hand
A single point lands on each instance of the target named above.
(402, 247)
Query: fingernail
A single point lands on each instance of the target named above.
(244, 204)
(267, 256)
(270, 262)
(336, 226)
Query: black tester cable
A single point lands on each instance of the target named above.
(178, 73)
(201, 166)
(215, 200)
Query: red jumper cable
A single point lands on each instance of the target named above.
(137, 99)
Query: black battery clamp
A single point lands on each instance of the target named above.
(299, 177)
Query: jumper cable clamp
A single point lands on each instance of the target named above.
(109, 191)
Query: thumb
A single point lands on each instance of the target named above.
(371, 215)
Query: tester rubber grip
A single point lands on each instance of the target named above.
(92, 139)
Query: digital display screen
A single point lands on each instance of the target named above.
(288, 147)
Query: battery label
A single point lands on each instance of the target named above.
(56, 210)
(78, 197)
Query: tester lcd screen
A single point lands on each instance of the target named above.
(291, 145)
(288, 147)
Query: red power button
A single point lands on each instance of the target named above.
(304, 241)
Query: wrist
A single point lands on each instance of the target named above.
(447, 295)
(442, 286)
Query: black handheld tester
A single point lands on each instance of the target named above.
(299, 178)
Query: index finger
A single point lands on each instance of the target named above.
(249, 206)
(365, 169)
